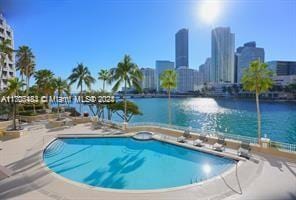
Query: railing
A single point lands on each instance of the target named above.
(113, 123)
(283, 146)
(278, 145)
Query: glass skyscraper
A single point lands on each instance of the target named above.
(245, 55)
(161, 66)
(222, 65)
(181, 48)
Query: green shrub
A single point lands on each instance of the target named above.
(31, 107)
(27, 113)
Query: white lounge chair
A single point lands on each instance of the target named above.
(181, 139)
(96, 125)
(200, 141)
(185, 135)
(244, 150)
(219, 145)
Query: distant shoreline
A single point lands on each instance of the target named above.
(132, 96)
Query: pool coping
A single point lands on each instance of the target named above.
(238, 163)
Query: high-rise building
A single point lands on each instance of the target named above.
(207, 70)
(8, 70)
(222, 65)
(282, 68)
(244, 56)
(181, 48)
(201, 74)
(204, 72)
(161, 66)
(148, 82)
(187, 79)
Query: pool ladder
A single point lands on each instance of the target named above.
(55, 149)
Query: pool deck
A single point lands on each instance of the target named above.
(263, 177)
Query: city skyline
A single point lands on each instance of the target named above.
(57, 54)
(181, 48)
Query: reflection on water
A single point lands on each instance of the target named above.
(222, 115)
(202, 105)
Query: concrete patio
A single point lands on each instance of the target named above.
(263, 177)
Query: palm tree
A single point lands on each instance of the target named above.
(81, 75)
(257, 78)
(5, 51)
(44, 80)
(14, 86)
(168, 81)
(25, 64)
(104, 75)
(129, 74)
(61, 87)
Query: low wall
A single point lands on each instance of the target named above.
(81, 120)
(30, 119)
(233, 144)
(5, 124)
(7, 135)
(274, 152)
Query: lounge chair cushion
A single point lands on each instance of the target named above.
(244, 152)
(181, 139)
(197, 142)
(218, 146)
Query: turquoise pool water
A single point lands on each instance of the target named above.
(125, 163)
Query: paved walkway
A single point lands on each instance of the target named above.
(267, 178)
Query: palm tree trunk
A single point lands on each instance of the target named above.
(34, 108)
(124, 101)
(22, 79)
(103, 85)
(58, 110)
(109, 114)
(27, 90)
(258, 118)
(43, 105)
(81, 100)
(103, 113)
(59, 94)
(169, 106)
(14, 117)
(1, 78)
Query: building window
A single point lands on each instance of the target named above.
(8, 33)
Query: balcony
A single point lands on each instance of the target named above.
(8, 33)
(1, 32)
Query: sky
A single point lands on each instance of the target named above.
(63, 33)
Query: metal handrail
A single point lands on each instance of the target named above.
(273, 144)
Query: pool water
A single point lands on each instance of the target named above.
(126, 163)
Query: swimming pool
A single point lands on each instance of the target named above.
(126, 163)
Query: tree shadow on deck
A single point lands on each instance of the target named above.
(280, 163)
(19, 183)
